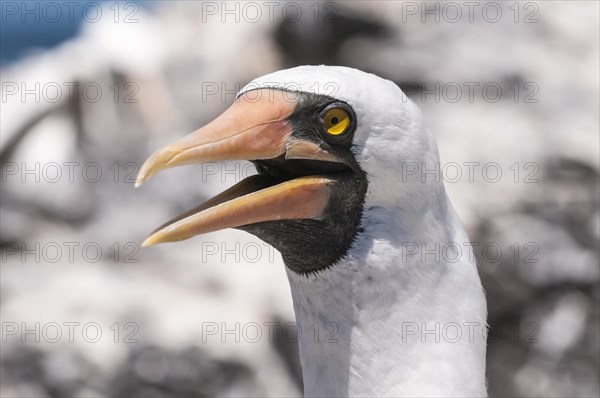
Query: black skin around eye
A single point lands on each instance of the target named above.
(310, 116)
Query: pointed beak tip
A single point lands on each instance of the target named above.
(141, 177)
(150, 241)
(158, 161)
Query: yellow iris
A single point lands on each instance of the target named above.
(336, 121)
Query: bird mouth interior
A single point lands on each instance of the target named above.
(287, 169)
(271, 172)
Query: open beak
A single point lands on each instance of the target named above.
(255, 127)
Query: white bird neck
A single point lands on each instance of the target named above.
(385, 322)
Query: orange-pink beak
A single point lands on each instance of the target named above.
(255, 127)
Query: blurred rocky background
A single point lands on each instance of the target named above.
(89, 89)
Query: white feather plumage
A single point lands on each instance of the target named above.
(368, 305)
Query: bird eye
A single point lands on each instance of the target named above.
(336, 121)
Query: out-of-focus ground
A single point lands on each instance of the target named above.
(212, 315)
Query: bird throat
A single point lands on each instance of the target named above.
(308, 245)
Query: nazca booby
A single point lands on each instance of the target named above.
(329, 144)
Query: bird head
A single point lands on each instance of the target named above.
(327, 142)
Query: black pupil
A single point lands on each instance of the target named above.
(334, 120)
